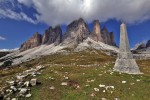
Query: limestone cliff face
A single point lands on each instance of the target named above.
(51, 35)
(102, 35)
(96, 34)
(76, 32)
(34, 41)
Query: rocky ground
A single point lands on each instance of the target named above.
(77, 76)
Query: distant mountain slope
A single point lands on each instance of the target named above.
(27, 55)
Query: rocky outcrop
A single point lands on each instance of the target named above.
(34, 41)
(148, 44)
(102, 35)
(140, 46)
(52, 35)
(96, 34)
(76, 32)
(106, 36)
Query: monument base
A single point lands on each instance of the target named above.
(128, 66)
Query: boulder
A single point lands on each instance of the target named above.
(28, 95)
(33, 82)
(23, 91)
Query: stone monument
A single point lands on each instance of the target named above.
(125, 62)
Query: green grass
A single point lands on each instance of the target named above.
(100, 72)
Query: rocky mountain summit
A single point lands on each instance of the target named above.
(52, 35)
(142, 50)
(102, 35)
(142, 46)
(76, 32)
(34, 41)
(148, 44)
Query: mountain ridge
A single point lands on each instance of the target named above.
(76, 32)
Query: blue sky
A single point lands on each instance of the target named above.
(20, 19)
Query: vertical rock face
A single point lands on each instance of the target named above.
(112, 39)
(51, 35)
(76, 32)
(34, 41)
(102, 35)
(125, 62)
(46, 35)
(58, 35)
(96, 34)
(108, 37)
(148, 44)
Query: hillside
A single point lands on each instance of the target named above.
(88, 75)
(2, 54)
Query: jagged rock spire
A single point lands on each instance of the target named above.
(125, 62)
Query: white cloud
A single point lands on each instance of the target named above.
(17, 16)
(2, 38)
(7, 10)
(55, 12)
(8, 50)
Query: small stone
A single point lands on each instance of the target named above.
(13, 99)
(101, 85)
(64, 83)
(92, 94)
(124, 82)
(96, 89)
(20, 78)
(132, 83)
(116, 99)
(51, 78)
(138, 80)
(66, 78)
(87, 85)
(104, 91)
(52, 88)
(33, 82)
(28, 95)
(27, 83)
(11, 82)
(13, 88)
(23, 91)
(103, 99)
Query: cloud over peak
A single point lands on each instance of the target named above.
(53, 12)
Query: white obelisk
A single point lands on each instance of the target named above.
(125, 62)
